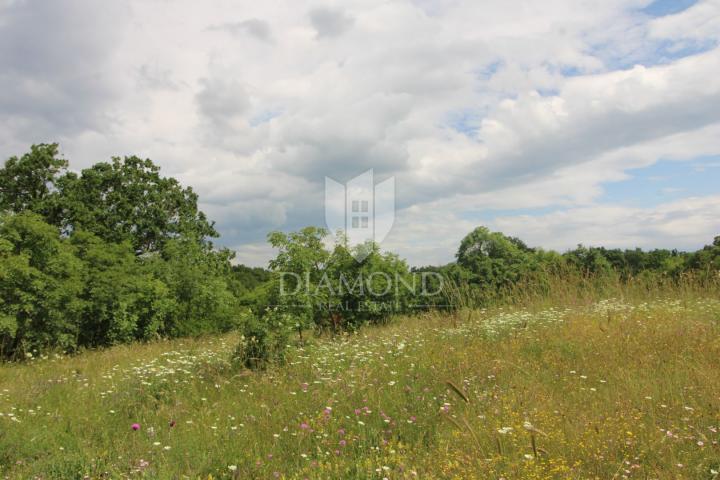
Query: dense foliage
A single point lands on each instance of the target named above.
(113, 254)
(491, 265)
(315, 287)
(118, 253)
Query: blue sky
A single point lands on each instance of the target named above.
(547, 121)
(660, 8)
(666, 181)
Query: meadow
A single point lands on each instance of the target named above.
(602, 388)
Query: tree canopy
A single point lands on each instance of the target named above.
(113, 254)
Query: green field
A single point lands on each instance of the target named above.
(608, 389)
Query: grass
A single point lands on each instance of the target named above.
(610, 389)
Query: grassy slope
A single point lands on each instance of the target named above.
(615, 390)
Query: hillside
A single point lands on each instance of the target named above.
(611, 389)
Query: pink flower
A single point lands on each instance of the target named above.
(135, 426)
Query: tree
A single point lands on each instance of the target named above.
(589, 260)
(128, 200)
(494, 260)
(123, 301)
(27, 183)
(115, 254)
(330, 288)
(40, 287)
(199, 282)
(298, 270)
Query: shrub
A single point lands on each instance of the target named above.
(264, 339)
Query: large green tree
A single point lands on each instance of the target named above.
(494, 260)
(113, 254)
(128, 200)
(29, 182)
(41, 282)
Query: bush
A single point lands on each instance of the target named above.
(264, 340)
(40, 287)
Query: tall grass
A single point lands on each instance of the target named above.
(569, 386)
(574, 287)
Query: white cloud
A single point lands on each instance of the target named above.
(471, 105)
(699, 22)
(682, 224)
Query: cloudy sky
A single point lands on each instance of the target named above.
(561, 122)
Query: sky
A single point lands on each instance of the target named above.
(560, 122)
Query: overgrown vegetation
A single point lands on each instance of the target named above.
(591, 388)
(115, 254)
(511, 362)
(118, 253)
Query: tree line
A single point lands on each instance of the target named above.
(119, 253)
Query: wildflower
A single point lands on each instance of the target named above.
(232, 468)
(135, 426)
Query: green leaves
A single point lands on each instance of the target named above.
(128, 200)
(329, 288)
(40, 286)
(116, 254)
(27, 183)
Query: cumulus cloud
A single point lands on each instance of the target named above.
(476, 108)
(259, 29)
(222, 102)
(57, 73)
(330, 22)
(683, 224)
